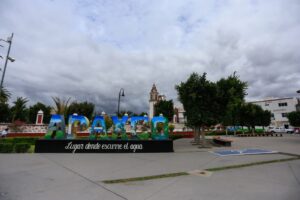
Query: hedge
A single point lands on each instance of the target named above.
(22, 147)
(18, 145)
(6, 147)
(18, 140)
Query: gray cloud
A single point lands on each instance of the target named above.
(88, 50)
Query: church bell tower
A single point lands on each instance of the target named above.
(152, 101)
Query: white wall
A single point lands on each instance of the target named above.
(273, 105)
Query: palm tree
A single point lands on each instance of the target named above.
(4, 95)
(61, 106)
(19, 110)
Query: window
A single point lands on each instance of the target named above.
(284, 114)
(282, 104)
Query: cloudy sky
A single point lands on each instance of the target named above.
(88, 50)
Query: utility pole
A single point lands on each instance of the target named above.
(9, 41)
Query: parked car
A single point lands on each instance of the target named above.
(280, 130)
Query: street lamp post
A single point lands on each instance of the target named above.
(9, 41)
(121, 93)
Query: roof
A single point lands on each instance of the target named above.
(271, 99)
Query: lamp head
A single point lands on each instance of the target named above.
(11, 59)
(123, 95)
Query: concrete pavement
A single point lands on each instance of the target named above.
(80, 176)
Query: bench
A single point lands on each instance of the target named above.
(221, 141)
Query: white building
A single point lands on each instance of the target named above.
(179, 114)
(279, 107)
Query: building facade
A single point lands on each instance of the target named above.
(179, 114)
(155, 97)
(279, 108)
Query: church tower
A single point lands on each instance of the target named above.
(152, 101)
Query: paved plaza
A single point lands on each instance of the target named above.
(80, 176)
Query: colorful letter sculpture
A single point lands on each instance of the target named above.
(98, 127)
(77, 123)
(134, 121)
(119, 131)
(98, 130)
(56, 128)
(162, 134)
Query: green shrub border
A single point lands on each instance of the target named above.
(16, 145)
(22, 147)
(6, 147)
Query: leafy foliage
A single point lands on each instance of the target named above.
(199, 98)
(231, 93)
(81, 108)
(252, 115)
(294, 118)
(19, 110)
(171, 128)
(61, 106)
(4, 95)
(5, 113)
(166, 108)
(22, 147)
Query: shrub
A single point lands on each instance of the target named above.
(30, 141)
(7, 140)
(6, 147)
(22, 147)
(175, 137)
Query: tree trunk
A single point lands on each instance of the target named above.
(196, 136)
(203, 141)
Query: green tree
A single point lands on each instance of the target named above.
(252, 115)
(264, 118)
(34, 109)
(61, 106)
(4, 95)
(19, 110)
(81, 108)
(231, 94)
(166, 108)
(5, 112)
(199, 98)
(294, 118)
